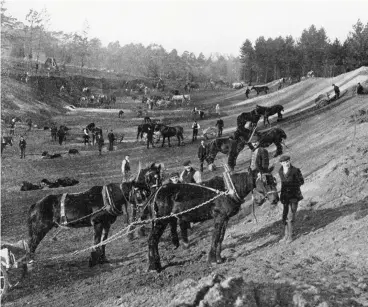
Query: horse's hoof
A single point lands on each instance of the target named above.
(185, 245)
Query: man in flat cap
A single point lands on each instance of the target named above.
(260, 162)
(291, 180)
(173, 178)
(190, 175)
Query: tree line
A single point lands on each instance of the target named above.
(271, 59)
(263, 61)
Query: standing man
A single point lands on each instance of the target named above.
(202, 154)
(150, 136)
(22, 146)
(111, 138)
(12, 126)
(247, 91)
(125, 169)
(53, 132)
(259, 163)
(195, 128)
(85, 136)
(337, 91)
(218, 110)
(61, 134)
(190, 175)
(291, 180)
(220, 127)
(100, 142)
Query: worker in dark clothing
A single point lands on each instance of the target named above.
(100, 142)
(220, 127)
(359, 89)
(247, 91)
(22, 146)
(202, 154)
(111, 138)
(291, 180)
(259, 161)
(337, 91)
(150, 136)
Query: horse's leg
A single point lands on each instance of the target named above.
(168, 140)
(158, 229)
(163, 140)
(178, 139)
(105, 234)
(233, 155)
(219, 245)
(174, 233)
(96, 253)
(212, 255)
(184, 225)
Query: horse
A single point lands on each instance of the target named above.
(6, 140)
(245, 117)
(269, 111)
(168, 132)
(260, 89)
(172, 199)
(121, 113)
(234, 145)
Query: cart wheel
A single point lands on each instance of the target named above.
(4, 282)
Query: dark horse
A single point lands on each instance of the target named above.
(168, 132)
(260, 89)
(172, 199)
(233, 146)
(98, 207)
(252, 117)
(6, 140)
(269, 111)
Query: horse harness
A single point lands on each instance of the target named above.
(109, 206)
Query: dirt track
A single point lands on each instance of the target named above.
(326, 263)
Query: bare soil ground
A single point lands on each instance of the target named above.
(326, 265)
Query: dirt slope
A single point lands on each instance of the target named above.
(326, 265)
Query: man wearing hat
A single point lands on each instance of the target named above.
(125, 169)
(259, 161)
(291, 180)
(202, 154)
(190, 175)
(173, 178)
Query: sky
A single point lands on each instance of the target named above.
(207, 26)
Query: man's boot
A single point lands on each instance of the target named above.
(290, 229)
(286, 235)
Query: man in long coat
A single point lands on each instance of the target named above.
(260, 162)
(202, 154)
(291, 180)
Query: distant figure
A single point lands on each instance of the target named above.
(195, 128)
(121, 113)
(29, 123)
(53, 132)
(337, 91)
(61, 134)
(359, 90)
(247, 91)
(100, 142)
(111, 138)
(150, 136)
(280, 86)
(220, 127)
(202, 154)
(218, 109)
(125, 169)
(22, 146)
(12, 127)
(85, 136)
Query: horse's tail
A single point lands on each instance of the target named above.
(282, 134)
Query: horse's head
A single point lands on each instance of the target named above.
(139, 193)
(266, 188)
(252, 88)
(152, 176)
